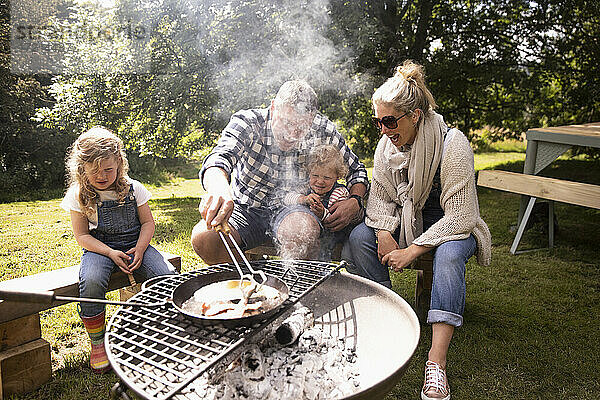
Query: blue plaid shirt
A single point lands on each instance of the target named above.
(261, 173)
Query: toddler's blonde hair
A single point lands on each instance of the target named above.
(328, 154)
(92, 147)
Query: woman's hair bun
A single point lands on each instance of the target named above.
(406, 90)
(410, 71)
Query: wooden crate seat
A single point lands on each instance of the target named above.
(25, 362)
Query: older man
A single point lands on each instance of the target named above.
(263, 153)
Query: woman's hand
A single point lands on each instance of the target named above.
(385, 244)
(120, 259)
(398, 259)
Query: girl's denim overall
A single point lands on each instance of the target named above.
(119, 228)
(449, 259)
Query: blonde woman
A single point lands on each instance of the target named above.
(423, 199)
(112, 221)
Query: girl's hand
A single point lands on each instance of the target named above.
(138, 257)
(120, 259)
(385, 244)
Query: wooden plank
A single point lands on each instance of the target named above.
(20, 331)
(424, 262)
(25, 368)
(581, 194)
(63, 281)
(267, 248)
(573, 135)
(174, 259)
(591, 129)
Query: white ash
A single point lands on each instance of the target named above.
(317, 367)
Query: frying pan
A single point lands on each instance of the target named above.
(186, 290)
(181, 293)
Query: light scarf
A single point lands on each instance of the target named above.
(423, 160)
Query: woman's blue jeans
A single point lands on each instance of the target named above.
(449, 260)
(96, 269)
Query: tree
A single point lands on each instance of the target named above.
(509, 64)
(167, 75)
(29, 156)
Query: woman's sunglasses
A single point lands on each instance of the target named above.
(389, 121)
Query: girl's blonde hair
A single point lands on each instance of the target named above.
(328, 154)
(406, 90)
(92, 147)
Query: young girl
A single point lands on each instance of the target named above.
(112, 221)
(325, 166)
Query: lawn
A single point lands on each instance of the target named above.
(530, 330)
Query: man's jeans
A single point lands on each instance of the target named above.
(449, 259)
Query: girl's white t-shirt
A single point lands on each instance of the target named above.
(70, 202)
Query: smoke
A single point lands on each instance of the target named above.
(297, 239)
(254, 47)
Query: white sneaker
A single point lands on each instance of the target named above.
(436, 383)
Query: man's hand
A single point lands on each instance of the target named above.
(400, 258)
(385, 244)
(342, 213)
(215, 209)
(217, 205)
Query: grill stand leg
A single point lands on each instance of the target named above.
(119, 391)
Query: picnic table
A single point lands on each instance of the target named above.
(544, 146)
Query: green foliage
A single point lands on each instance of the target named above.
(503, 67)
(29, 156)
(354, 123)
(163, 113)
(509, 64)
(490, 139)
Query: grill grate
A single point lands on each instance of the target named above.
(157, 352)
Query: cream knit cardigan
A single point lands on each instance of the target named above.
(458, 199)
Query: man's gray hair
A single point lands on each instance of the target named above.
(299, 95)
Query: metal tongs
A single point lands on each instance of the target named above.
(223, 229)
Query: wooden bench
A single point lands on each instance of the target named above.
(539, 187)
(423, 265)
(25, 362)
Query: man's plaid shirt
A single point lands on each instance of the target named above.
(260, 172)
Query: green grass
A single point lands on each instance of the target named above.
(530, 320)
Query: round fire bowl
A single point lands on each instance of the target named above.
(382, 326)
